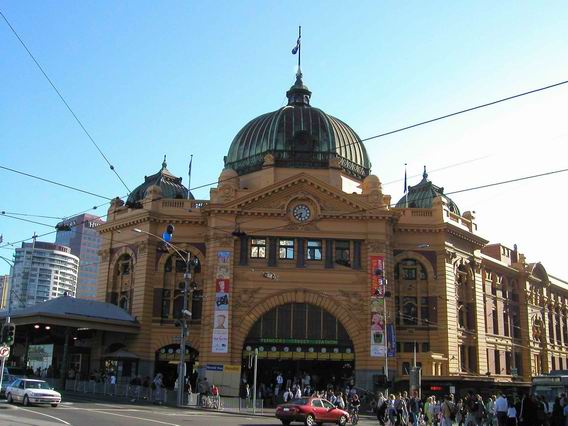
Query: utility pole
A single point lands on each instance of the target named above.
(190, 264)
(254, 380)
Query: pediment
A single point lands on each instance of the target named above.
(275, 198)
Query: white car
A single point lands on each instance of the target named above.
(29, 391)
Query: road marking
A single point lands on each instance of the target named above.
(130, 417)
(46, 415)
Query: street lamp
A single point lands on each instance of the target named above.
(190, 264)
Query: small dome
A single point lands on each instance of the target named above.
(298, 135)
(169, 184)
(421, 196)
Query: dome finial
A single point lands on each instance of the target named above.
(164, 163)
(425, 174)
(298, 93)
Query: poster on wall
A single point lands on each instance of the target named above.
(220, 341)
(220, 338)
(377, 306)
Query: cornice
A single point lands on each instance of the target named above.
(465, 235)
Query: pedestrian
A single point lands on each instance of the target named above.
(511, 414)
(157, 387)
(501, 407)
(448, 412)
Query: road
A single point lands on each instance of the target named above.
(82, 412)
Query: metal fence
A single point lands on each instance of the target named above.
(164, 396)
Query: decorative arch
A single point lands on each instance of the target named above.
(414, 300)
(538, 270)
(122, 251)
(185, 247)
(409, 254)
(326, 302)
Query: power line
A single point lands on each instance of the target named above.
(31, 215)
(540, 89)
(465, 110)
(64, 101)
(55, 183)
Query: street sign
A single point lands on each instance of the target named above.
(4, 352)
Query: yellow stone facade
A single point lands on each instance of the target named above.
(475, 312)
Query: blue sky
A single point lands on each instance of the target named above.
(150, 78)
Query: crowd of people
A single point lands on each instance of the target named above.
(528, 410)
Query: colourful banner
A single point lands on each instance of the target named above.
(377, 306)
(220, 337)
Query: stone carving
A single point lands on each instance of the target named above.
(376, 246)
(351, 299)
(142, 247)
(245, 297)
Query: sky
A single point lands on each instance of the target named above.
(149, 78)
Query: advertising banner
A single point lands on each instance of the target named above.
(377, 306)
(220, 338)
(391, 341)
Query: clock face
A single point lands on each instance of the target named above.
(301, 213)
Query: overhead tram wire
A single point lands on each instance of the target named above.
(64, 101)
(358, 211)
(55, 183)
(422, 123)
(31, 215)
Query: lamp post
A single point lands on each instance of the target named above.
(185, 313)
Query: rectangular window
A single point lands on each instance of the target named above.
(409, 274)
(408, 347)
(258, 248)
(314, 250)
(405, 368)
(286, 249)
(497, 362)
(424, 311)
(426, 347)
(343, 253)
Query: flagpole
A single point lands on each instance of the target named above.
(300, 50)
(189, 173)
(405, 189)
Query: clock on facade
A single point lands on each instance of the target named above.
(301, 213)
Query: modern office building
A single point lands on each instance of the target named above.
(80, 234)
(42, 271)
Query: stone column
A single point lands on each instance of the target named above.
(479, 315)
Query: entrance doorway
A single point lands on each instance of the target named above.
(167, 362)
(295, 340)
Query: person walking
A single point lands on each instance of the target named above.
(501, 407)
(448, 412)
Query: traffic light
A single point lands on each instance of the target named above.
(167, 236)
(8, 334)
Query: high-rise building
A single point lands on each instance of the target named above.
(80, 234)
(4, 284)
(42, 271)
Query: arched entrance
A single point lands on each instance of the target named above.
(167, 361)
(295, 339)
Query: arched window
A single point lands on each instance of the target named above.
(168, 299)
(415, 306)
(465, 298)
(122, 283)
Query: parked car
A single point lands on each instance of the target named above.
(311, 411)
(30, 391)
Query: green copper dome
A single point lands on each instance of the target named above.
(421, 196)
(170, 185)
(298, 135)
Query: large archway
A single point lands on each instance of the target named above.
(167, 361)
(295, 340)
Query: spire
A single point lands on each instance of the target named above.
(425, 174)
(164, 163)
(298, 94)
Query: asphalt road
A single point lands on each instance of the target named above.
(81, 412)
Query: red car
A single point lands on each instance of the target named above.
(311, 411)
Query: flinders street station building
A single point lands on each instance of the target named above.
(303, 259)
